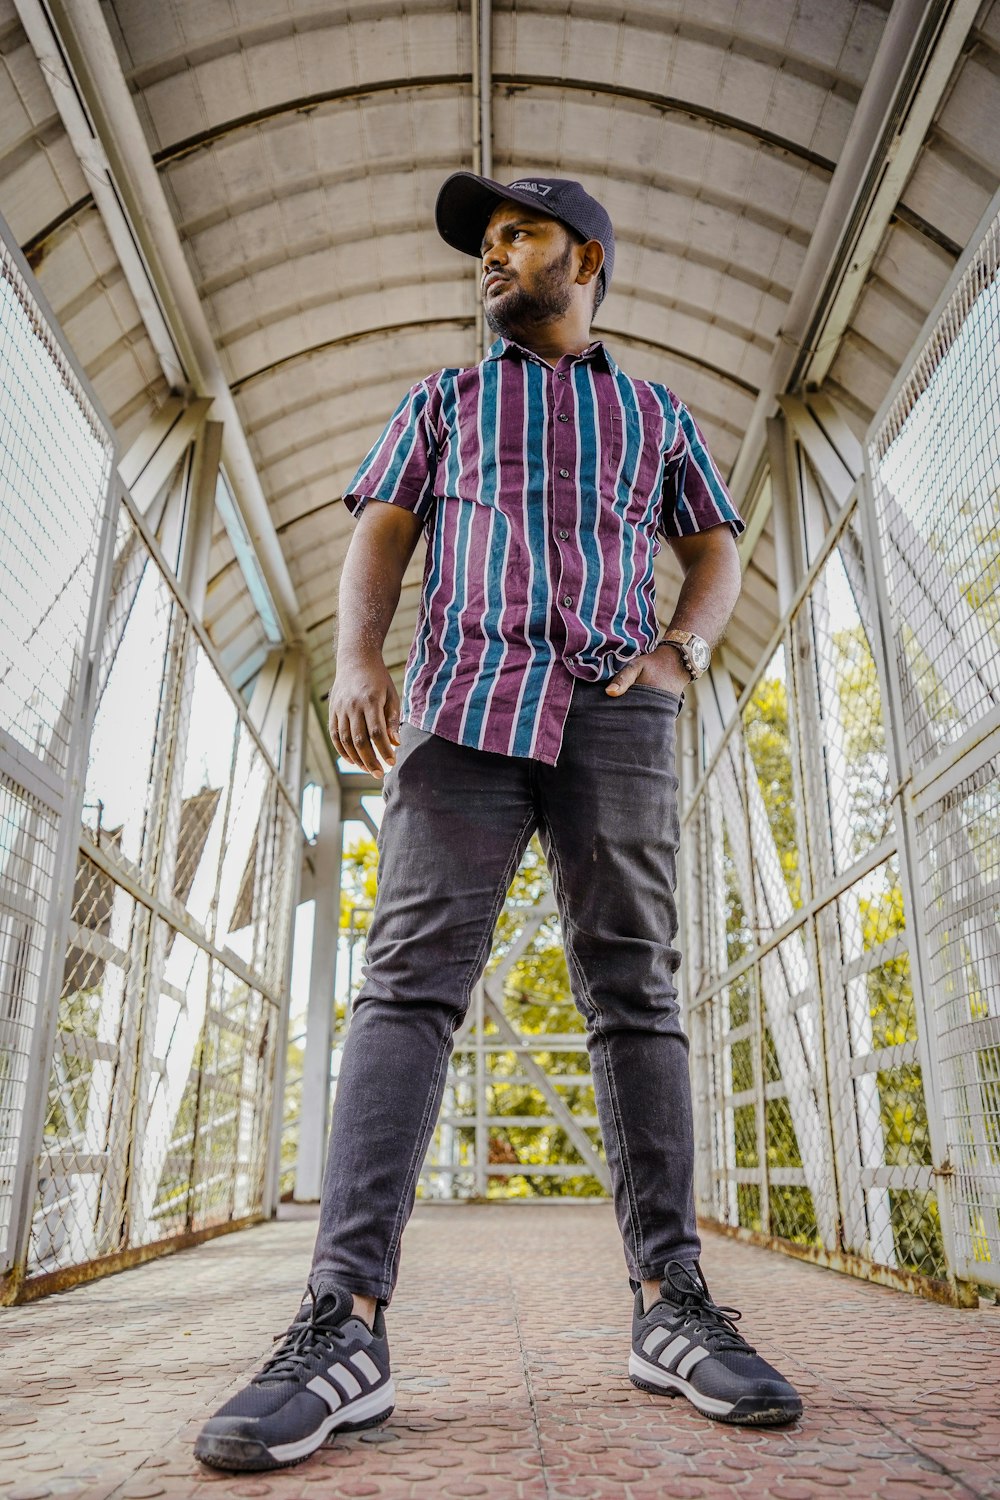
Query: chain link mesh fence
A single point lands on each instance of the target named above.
(160, 1093)
(843, 986)
(805, 1060)
(141, 1049)
(935, 480)
(935, 470)
(55, 460)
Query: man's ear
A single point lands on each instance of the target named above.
(591, 261)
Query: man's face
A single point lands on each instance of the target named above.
(528, 270)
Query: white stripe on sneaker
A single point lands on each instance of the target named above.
(692, 1357)
(375, 1404)
(663, 1380)
(653, 1340)
(364, 1362)
(323, 1388)
(345, 1380)
(673, 1349)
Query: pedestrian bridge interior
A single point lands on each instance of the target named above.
(218, 274)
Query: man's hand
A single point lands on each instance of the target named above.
(364, 713)
(661, 668)
(710, 562)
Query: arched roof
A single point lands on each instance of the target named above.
(300, 146)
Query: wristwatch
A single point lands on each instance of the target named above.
(694, 652)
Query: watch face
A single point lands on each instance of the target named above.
(700, 653)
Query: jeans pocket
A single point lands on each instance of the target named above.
(667, 693)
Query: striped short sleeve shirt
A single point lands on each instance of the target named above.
(544, 493)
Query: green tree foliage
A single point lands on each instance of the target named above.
(860, 713)
(767, 737)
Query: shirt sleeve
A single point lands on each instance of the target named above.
(400, 468)
(694, 493)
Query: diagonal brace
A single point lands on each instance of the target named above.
(541, 1081)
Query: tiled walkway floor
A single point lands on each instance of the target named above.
(510, 1338)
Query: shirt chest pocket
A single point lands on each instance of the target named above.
(631, 467)
(611, 422)
(631, 453)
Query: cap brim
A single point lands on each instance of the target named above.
(464, 207)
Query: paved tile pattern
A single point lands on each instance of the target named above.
(510, 1338)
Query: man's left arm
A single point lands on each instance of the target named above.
(711, 587)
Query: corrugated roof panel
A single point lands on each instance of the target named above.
(301, 147)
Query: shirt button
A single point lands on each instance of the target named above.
(562, 375)
(567, 598)
(564, 534)
(563, 473)
(563, 416)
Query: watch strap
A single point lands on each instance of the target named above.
(682, 641)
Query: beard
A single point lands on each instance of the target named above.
(519, 308)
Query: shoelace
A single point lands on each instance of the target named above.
(297, 1347)
(716, 1324)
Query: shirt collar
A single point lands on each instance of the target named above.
(596, 352)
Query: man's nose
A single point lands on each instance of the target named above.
(493, 257)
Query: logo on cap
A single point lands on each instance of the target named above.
(531, 187)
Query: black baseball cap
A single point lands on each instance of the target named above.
(466, 202)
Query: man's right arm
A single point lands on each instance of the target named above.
(364, 704)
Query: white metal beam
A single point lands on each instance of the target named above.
(830, 467)
(157, 451)
(790, 564)
(293, 768)
(541, 1080)
(271, 698)
(77, 56)
(197, 538)
(482, 87)
(920, 45)
(932, 67)
(314, 1119)
(837, 432)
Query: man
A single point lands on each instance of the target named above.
(536, 697)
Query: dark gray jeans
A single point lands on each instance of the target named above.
(455, 825)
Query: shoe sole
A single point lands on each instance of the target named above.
(747, 1412)
(243, 1455)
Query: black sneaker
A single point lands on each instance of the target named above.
(687, 1346)
(329, 1374)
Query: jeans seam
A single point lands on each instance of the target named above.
(417, 1157)
(638, 1244)
(411, 1171)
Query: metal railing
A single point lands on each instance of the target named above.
(56, 461)
(171, 1007)
(800, 998)
(841, 881)
(141, 1092)
(840, 875)
(934, 474)
(518, 1117)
